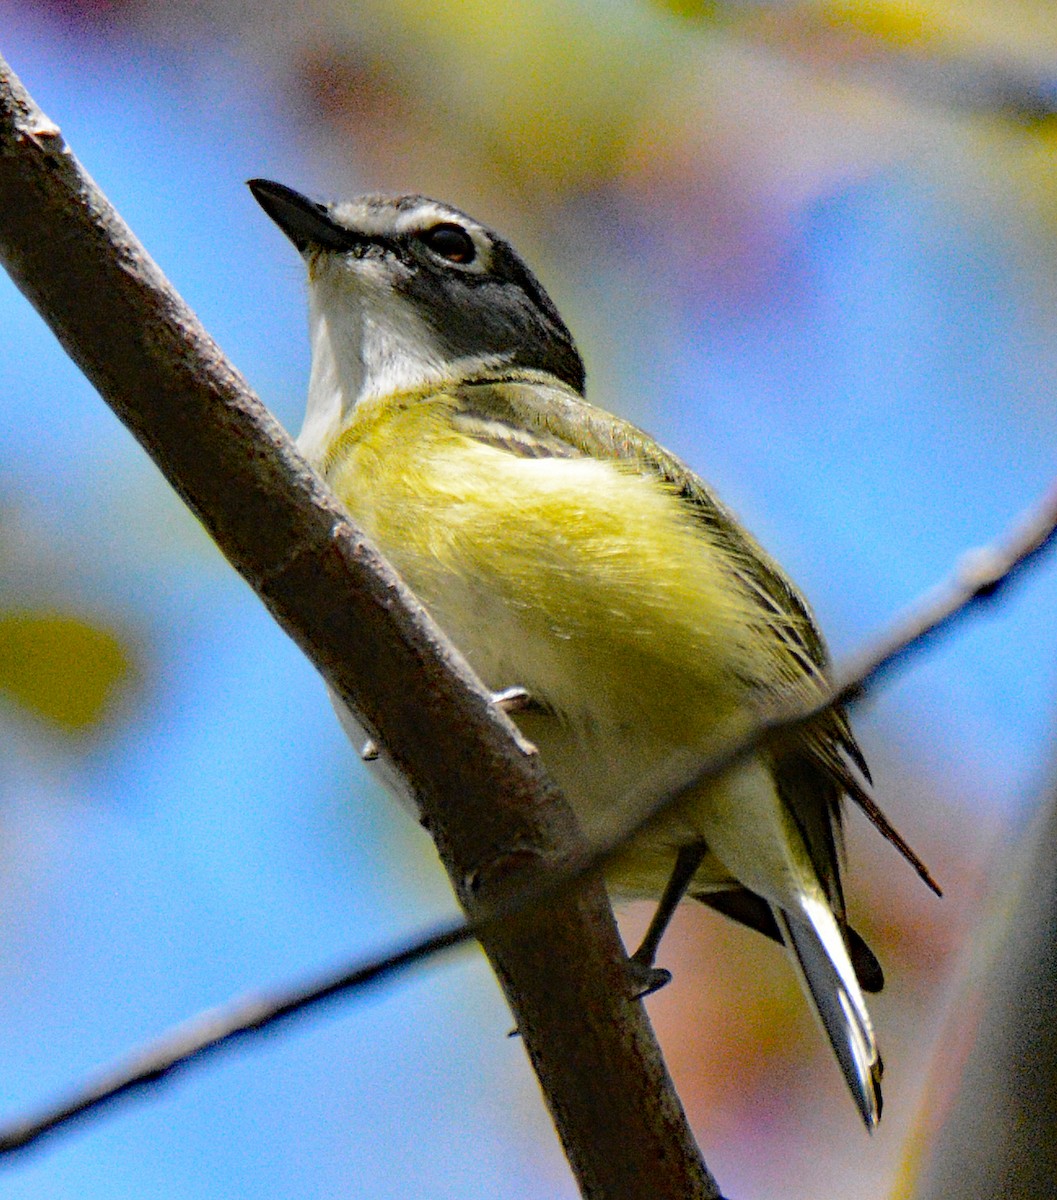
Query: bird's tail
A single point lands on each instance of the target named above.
(817, 947)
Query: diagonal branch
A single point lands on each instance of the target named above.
(497, 820)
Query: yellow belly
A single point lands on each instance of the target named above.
(587, 584)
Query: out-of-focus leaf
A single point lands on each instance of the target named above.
(986, 1128)
(61, 668)
(692, 10)
(893, 21)
(962, 58)
(542, 92)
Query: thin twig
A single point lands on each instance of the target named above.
(210, 1031)
(980, 576)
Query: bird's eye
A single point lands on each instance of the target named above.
(451, 242)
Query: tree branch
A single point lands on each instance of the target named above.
(499, 824)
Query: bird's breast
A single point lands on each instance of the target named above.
(585, 583)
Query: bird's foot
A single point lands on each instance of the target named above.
(510, 700)
(514, 700)
(646, 978)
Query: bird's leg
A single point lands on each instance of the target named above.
(646, 977)
(514, 700)
(518, 700)
(510, 700)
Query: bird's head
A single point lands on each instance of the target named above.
(411, 292)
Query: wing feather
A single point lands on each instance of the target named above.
(531, 415)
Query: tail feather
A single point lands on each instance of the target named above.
(744, 906)
(826, 972)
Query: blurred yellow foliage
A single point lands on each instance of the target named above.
(897, 22)
(61, 668)
(542, 91)
(696, 10)
(534, 104)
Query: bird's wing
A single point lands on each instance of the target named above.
(529, 414)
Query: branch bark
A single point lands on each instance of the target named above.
(497, 821)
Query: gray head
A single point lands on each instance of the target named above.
(452, 297)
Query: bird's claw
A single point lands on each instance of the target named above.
(512, 700)
(645, 979)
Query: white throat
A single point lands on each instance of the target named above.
(367, 342)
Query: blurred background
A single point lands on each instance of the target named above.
(810, 246)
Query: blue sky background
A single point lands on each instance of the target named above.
(881, 405)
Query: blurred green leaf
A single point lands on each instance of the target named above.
(61, 668)
(692, 10)
(896, 22)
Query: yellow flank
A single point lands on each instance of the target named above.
(588, 583)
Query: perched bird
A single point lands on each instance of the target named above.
(570, 557)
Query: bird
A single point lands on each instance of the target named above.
(593, 581)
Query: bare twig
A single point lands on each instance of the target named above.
(497, 820)
(211, 1031)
